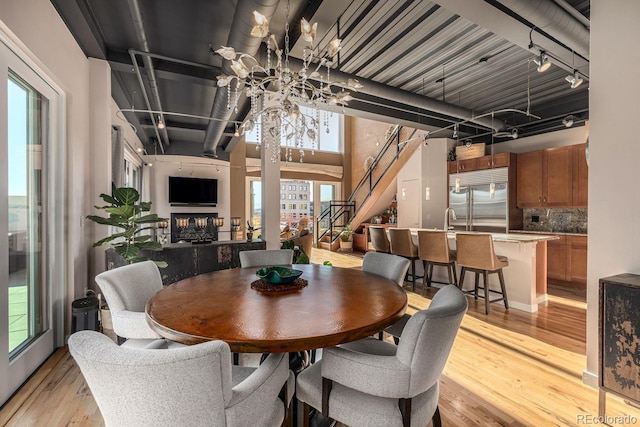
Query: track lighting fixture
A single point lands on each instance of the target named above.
(542, 62)
(574, 79)
(236, 133)
(514, 133)
(455, 131)
(568, 121)
(160, 123)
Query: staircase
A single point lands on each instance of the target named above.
(362, 204)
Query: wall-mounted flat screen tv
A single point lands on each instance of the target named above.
(193, 191)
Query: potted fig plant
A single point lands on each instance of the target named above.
(125, 213)
(346, 242)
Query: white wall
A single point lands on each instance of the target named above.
(427, 167)
(195, 167)
(39, 28)
(570, 136)
(614, 193)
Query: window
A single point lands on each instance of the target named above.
(284, 206)
(283, 187)
(294, 206)
(292, 188)
(283, 196)
(292, 196)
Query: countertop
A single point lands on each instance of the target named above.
(504, 237)
(547, 232)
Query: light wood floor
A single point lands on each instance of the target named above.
(508, 369)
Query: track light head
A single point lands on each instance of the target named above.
(542, 62)
(160, 123)
(574, 79)
(514, 133)
(568, 121)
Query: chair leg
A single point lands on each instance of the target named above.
(477, 284)
(487, 297)
(449, 273)
(413, 274)
(436, 421)
(504, 289)
(306, 409)
(461, 282)
(430, 278)
(236, 358)
(405, 410)
(453, 269)
(381, 335)
(326, 391)
(425, 265)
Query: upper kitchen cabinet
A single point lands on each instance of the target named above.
(501, 160)
(545, 178)
(580, 176)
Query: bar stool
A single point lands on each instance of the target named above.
(379, 240)
(402, 245)
(433, 249)
(475, 253)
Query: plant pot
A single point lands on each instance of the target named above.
(249, 237)
(346, 246)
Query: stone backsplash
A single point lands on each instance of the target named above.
(555, 220)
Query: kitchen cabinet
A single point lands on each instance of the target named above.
(567, 260)
(577, 249)
(545, 178)
(557, 259)
(485, 162)
(496, 161)
(580, 176)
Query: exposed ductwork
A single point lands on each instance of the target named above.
(383, 91)
(241, 40)
(136, 15)
(555, 21)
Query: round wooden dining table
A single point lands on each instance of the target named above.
(338, 305)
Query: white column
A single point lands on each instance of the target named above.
(270, 174)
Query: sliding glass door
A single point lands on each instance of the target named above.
(29, 109)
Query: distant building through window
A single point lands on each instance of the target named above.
(295, 190)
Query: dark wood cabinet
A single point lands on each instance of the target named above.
(557, 259)
(529, 179)
(619, 321)
(580, 176)
(500, 160)
(577, 252)
(545, 178)
(496, 161)
(567, 260)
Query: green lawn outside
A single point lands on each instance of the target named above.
(18, 309)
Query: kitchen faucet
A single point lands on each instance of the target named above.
(446, 218)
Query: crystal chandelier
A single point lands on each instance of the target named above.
(284, 124)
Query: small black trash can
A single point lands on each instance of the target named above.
(84, 312)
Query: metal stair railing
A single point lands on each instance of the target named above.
(380, 166)
(335, 217)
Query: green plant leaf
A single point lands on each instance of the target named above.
(127, 251)
(122, 211)
(102, 220)
(327, 263)
(145, 206)
(144, 238)
(147, 219)
(126, 195)
(161, 264)
(108, 239)
(107, 198)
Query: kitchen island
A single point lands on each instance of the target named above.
(525, 277)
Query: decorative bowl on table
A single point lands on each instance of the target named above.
(278, 275)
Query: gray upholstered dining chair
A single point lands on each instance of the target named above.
(261, 258)
(375, 383)
(127, 290)
(190, 386)
(392, 267)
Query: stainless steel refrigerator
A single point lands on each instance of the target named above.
(475, 207)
